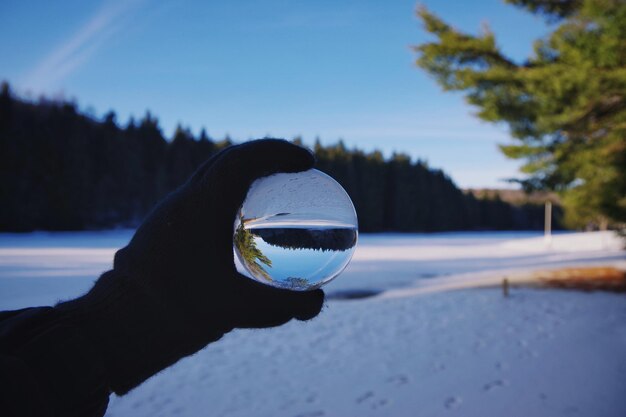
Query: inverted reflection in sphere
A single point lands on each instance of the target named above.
(296, 231)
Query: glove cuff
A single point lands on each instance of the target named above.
(67, 372)
(135, 335)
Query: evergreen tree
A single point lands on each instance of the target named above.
(566, 105)
(62, 170)
(180, 161)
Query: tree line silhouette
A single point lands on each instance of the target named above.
(63, 170)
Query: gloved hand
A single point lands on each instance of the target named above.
(175, 288)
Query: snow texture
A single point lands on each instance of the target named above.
(413, 349)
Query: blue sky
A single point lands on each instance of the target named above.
(329, 69)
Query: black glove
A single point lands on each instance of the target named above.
(175, 288)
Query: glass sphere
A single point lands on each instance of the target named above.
(295, 231)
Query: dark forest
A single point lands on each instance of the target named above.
(63, 170)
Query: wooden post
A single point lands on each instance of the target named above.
(548, 223)
(505, 287)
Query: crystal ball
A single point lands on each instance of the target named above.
(295, 231)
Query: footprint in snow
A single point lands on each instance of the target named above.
(380, 403)
(398, 379)
(439, 367)
(373, 402)
(452, 402)
(364, 397)
(494, 384)
(317, 413)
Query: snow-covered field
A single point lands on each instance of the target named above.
(412, 350)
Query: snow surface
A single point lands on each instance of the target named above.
(412, 350)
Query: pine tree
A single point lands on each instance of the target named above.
(63, 170)
(565, 106)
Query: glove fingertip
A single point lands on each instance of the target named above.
(282, 155)
(310, 305)
(306, 157)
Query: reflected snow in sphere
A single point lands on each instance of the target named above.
(295, 231)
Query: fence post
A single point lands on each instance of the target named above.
(548, 223)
